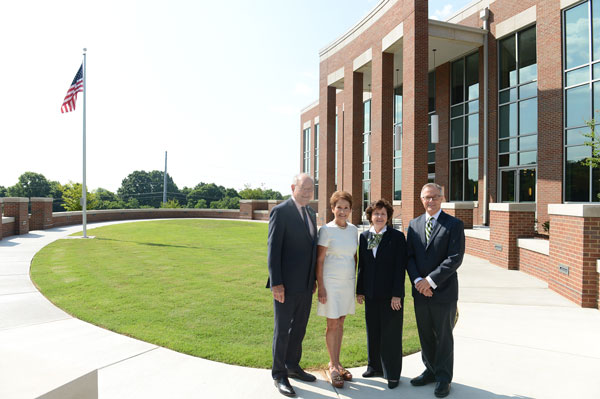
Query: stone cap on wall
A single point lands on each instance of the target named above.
(512, 207)
(535, 245)
(458, 205)
(144, 210)
(42, 199)
(481, 234)
(598, 265)
(15, 199)
(7, 219)
(580, 210)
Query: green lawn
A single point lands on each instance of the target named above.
(195, 286)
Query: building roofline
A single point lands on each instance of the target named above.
(309, 107)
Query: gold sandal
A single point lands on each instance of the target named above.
(346, 375)
(336, 379)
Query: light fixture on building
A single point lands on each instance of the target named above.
(435, 120)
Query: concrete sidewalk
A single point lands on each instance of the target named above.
(515, 339)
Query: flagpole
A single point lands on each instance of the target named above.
(83, 186)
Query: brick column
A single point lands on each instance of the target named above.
(247, 208)
(550, 109)
(327, 99)
(508, 222)
(574, 252)
(460, 210)
(353, 131)
(41, 213)
(271, 204)
(382, 125)
(414, 106)
(17, 207)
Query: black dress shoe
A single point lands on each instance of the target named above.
(393, 383)
(423, 379)
(284, 387)
(442, 389)
(371, 372)
(301, 375)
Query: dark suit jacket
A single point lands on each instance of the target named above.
(439, 259)
(292, 252)
(382, 276)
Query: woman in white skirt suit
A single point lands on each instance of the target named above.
(336, 271)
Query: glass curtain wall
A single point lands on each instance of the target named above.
(517, 114)
(581, 61)
(306, 151)
(316, 161)
(366, 180)
(430, 145)
(398, 143)
(464, 129)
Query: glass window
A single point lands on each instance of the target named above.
(578, 76)
(472, 174)
(597, 70)
(597, 100)
(431, 89)
(306, 151)
(578, 105)
(508, 63)
(577, 34)
(316, 173)
(508, 95)
(398, 140)
(456, 132)
(472, 135)
(528, 116)
(596, 29)
(528, 90)
(576, 136)
(508, 120)
(472, 79)
(527, 158)
(456, 181)
(577, 175)
(528, 143)
(508, 185)
(527, 60)
(527, 185)
(458, 84)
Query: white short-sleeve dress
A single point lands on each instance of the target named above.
(338, 269)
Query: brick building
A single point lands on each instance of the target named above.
(507, 84)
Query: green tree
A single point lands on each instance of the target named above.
(594, 142)
(3, 191)
(201, 204)
(208, 192)
(226, 203)
(30, 184)
(259, 193)
(72, 197)
(146, 187)
(172, 203)
(57, 196)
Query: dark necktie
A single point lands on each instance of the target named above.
(306, 222)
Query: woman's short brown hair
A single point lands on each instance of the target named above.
(338, 195)
(380, 204)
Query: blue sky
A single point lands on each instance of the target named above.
(219, 85)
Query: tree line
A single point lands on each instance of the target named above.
(140, 189)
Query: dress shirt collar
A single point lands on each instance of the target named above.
(435, 217)
(372, 230)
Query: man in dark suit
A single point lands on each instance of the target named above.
(436, 246)
(292, 252)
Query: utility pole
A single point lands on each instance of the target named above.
(165, 182)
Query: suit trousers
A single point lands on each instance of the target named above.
(435, 322)
(384, 336)
(291, 318)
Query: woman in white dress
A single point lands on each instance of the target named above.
(336, 270)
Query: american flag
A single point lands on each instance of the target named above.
(71, 97)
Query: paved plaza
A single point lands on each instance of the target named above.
(515, 339)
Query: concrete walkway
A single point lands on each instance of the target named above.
(515, 339)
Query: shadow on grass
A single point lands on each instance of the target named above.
(150, 244)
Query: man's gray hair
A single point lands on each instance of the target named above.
(299, 177)
(433, 185)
